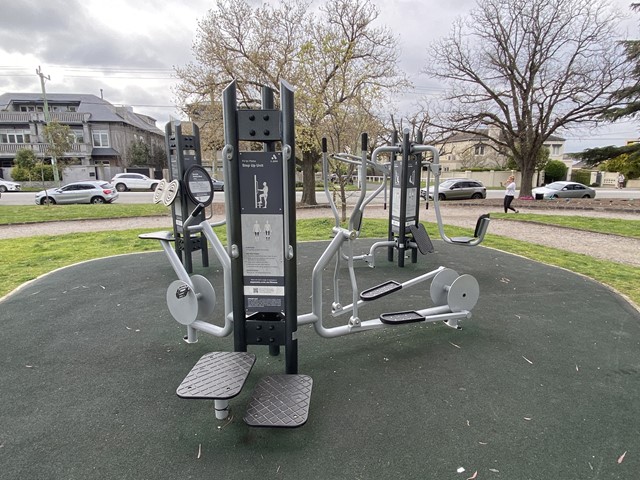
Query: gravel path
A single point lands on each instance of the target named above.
(602, 246)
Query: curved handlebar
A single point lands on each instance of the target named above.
(196, 211)
(483, 222)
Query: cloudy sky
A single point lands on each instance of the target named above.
(128, 50)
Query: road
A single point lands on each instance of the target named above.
(26, 198)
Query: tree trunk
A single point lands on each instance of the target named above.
(308, 180)
(528, 170)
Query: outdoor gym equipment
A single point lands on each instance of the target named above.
(183, 152)
(259, 265)
(405, 232)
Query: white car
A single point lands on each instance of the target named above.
(133, 181)
(90, 191)
(7, 186)
(564, 190)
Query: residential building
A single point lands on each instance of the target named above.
(463, 151)
(102, 132)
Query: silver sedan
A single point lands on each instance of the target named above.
(564, 190)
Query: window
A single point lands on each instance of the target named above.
(555, 149)
(72, 108)
(100, 139)
(12, 136)
(479, 149)
(76, 136)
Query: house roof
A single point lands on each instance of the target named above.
(99, 109)
(476, 136)
(104, 152)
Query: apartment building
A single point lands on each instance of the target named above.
(102, 132)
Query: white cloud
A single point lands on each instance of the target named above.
(128, 49)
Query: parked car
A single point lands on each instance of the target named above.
(564, 190)
(218, 185)
(133, 181)
(79, 192)
(7, 186)
(457, 189)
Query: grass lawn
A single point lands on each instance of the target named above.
(24, 259)
(14, 214)
(616, 226)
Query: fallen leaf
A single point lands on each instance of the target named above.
(494, 470)
(457, 346)
(475, 475)
(199, 450)
(527, 418)
(527, 359)
(460, 469)
(621, 459)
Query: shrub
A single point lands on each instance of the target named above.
(555, 170)
(581, 176)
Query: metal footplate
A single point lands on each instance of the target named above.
(217, 375)
(280, 401)
(380, 290)
(166, 236)
(421, 237)
(397, 318)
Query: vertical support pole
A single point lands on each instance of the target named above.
(390, 234)
(268, 104)
(290, 271)
(234, 228)
(414, 251)
(404, 182)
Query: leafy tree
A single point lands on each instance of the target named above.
(58, 143)
(340, 62)
(555, 170)
(625, 159)
(25, 158)
(627, 164)
(139, 153)
(528, 69)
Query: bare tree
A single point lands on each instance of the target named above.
(337, 60)
(528, 69)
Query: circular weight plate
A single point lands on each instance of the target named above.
(159, 191)
(442, 279)
(198, 185)
(170, 193)
(207, 300)
(463, 294)
(182, 302)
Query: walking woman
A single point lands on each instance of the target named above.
(509, 194)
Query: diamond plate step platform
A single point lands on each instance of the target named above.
(397, 318)
(217, 375)
(380, 290)
(280, 401)
(421, 237)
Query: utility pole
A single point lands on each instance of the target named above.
(47, 119)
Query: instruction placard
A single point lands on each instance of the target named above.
(262, 220)
(410, 191)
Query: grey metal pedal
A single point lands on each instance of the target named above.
(217, 375)
(397, 318)
(167, 236)
(421, 237)
(280, 401)
(380, 290)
